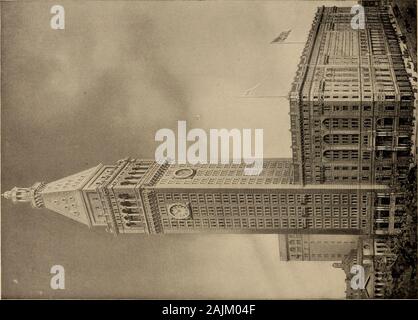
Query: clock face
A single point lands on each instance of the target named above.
(179, 211)
(184, 173)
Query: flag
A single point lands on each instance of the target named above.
(282, 36)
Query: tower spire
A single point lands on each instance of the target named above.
(64, 196)
(30, 194)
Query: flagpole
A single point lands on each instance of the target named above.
(264, 97)
(291, 42)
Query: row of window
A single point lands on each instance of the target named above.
(267, 223)
(229, 181)
(258, 199)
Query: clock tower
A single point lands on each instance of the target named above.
(142, 196)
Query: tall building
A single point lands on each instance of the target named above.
(141, 196)
(316, 247)
(351, 103)
(351, 114)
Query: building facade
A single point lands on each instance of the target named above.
(316, 247)
(351, 114)
(351, 103)
(375, 257)
(142, 196)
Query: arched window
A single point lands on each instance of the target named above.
(328, 154)
(124, 196)
(341, 138)
(341, 123)
(129, 211)
(340, 155)
(132, 178)
(127, 183)
(127, 203)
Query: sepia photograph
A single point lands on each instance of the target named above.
(213, 150)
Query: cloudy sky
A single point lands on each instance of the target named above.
(97, 92)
